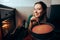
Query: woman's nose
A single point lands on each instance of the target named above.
(35, 11)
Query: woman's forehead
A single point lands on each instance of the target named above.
(37, 6)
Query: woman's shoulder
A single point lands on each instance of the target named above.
(30, 16)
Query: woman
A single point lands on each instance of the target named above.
(39, 16)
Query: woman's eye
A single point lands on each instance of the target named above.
(39, 9)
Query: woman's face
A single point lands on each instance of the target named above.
(38, 10)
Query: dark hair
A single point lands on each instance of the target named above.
(44, 6)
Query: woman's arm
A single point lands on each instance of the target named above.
(33, 21)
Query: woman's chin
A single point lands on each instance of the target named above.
(36, 16)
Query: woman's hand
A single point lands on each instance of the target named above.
(33, 21)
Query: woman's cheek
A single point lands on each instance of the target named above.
(37, 14)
